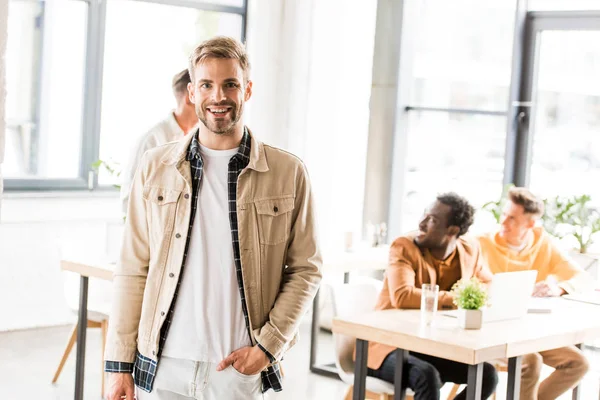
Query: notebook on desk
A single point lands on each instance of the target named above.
(592, 297)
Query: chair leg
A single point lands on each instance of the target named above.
(453, 391)
(104, 333)
(65, 355)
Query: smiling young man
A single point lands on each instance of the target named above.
(219, 260)
(520, 245)
(438, 254)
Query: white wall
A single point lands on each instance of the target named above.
(35, 231)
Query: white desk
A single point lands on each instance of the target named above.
(570, 323)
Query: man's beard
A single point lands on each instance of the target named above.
(220, 127)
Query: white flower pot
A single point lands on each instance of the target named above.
(470, 319)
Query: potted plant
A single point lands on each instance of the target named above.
(469, 296)
(572, 216)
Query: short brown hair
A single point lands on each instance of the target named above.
(220, 47)
(531, 203)
(180, 83)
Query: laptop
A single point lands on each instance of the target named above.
(508, 296)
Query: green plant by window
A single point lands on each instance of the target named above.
(495, 207)
(572, 216)
(112, 167)
(469, 294)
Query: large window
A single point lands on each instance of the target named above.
(139, 65)
(566, 119)
(86, 77)
(45, 78)
(459, 95)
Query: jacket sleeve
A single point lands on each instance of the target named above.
(301, 275)
(129, 279)
(481, 271)
(571, 278)
(401, 281)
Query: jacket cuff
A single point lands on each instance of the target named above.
(271, 358)
(118, 366)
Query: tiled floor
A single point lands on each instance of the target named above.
(28, 359)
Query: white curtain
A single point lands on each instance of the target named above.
(312, 68)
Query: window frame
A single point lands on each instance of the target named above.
(87, 179)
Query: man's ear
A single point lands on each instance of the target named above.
(191, 93)
(248, 92)
(453, 230)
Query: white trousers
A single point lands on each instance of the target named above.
(178, 379)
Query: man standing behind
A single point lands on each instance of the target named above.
(521, 246)
(220, 259)
(179, 122)
(438, 254)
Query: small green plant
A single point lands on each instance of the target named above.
(495, 207)
(572, 216)
(112, 167)
(469, 294)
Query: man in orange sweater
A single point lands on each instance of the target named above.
(438, 254)
(519, 246)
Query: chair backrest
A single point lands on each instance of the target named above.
(349, 299)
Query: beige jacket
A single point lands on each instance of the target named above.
(281, 260)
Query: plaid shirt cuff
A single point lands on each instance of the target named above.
(271, 358)
(118, 366)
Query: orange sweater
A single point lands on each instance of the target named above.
(540, 255)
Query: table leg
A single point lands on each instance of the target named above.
(576, 390)
(399, 388)
(360, 370)
(475, 376)
(513, 387)
(81, 332)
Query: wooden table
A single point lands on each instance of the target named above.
(86, 269)
(569, 323)
(361, 258)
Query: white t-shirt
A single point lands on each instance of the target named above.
(208, 323)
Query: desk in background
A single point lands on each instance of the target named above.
(503, 339)
(85, 269)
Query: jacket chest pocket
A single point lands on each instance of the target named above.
(162, 205)
(274, 220)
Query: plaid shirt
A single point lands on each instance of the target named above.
(144, 368)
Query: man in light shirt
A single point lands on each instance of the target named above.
(179, 122)
(520, 245)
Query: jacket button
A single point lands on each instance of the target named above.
(153, 353)
(275, 209)
(162, 313)
(187, 196)
(171, 275)
(177, 235)
(160, 198)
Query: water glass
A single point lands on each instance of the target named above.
(429, 302)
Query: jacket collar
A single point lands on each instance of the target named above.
(257, 159)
